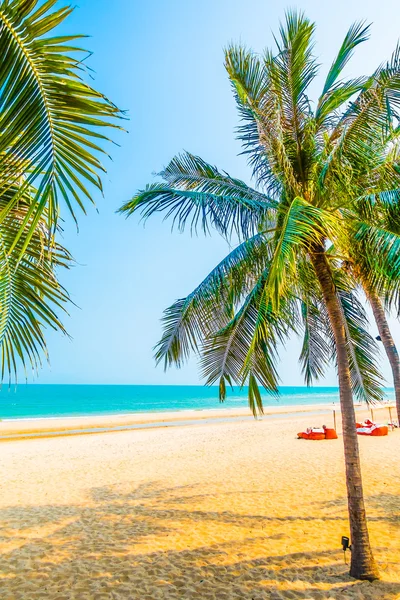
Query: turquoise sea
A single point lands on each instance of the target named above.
(35, 400)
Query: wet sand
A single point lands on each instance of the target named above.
(232, 510)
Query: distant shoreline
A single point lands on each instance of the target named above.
(12, 429)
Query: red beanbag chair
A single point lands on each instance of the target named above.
(330, 434)
(380, 430)
(316, 433)
(312, 434)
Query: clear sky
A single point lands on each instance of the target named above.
(163, 62)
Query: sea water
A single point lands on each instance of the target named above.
(38, 401)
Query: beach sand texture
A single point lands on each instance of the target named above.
(220, 511)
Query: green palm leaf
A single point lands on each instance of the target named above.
(209, 307)
(362, 350)
(190, 172)
(30, 294)
(295, 65)
(50, 118)
(357, 34)
(263, 133)
(240, 350)
(197, 194)
(336, 98)
(376, 251)
(316, 352)
(303, 227)
(363, 132)
(336, 93)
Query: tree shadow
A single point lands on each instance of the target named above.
(385, 504)
(153, 543)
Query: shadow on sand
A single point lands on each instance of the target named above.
(128, 546)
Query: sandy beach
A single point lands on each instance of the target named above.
(218, 511)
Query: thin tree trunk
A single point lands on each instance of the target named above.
(362, 561)
(387, 340)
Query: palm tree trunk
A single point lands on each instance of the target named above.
(387, 340)
(362, 561)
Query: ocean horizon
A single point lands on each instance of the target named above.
(26, 401)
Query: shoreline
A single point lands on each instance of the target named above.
(177, 411)
(24, 428)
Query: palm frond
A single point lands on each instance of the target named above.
(380, 210)
(334, 99)
(376, 252)
(362, 349)
(261, 131)
(246, 349)
(189, 172)
(316, 352)
(50, 118)
(297, 65)
(236, 351)
(248, 77)
(197, 194)
(209, 307)
(30, 294)
(357, 34)
(254, 396)
(291, 72)
(303, 226)
(361, 132)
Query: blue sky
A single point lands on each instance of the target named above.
(163, 63)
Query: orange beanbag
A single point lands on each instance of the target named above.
(330, 434)
(315, 433)
(312, 434)
(381, 430)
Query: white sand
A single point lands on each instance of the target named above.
(220, 511)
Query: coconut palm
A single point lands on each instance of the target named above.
(51, 143)
(387, 340)
(313, 169)
(372, 257)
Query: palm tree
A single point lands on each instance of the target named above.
(385, 335)
(386, 339)
(313, 169)
(51, 142)
(380, 277)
